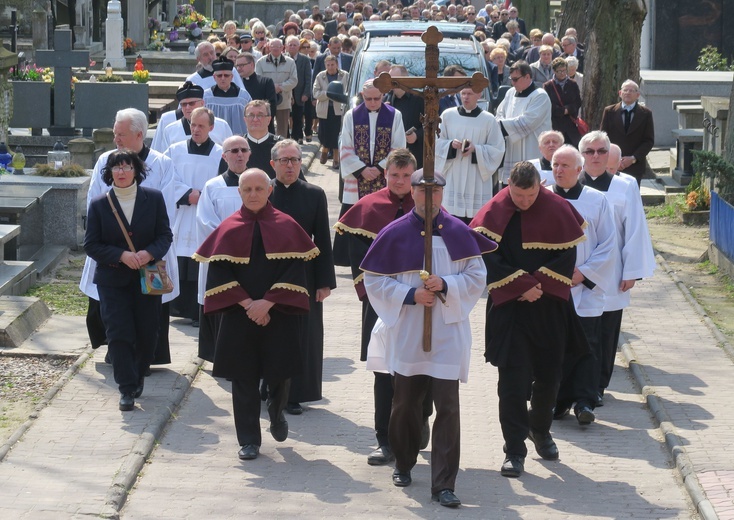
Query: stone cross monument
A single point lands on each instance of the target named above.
(114, 36)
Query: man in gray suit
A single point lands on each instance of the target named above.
(302, 91)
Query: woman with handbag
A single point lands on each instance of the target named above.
(127, 235)
(329, 112)
(565, 103)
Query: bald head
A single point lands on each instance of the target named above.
(615, 155)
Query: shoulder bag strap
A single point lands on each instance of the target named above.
(122, 225)
(557, 93)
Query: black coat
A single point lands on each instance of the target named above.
(569, 99)
(105, 243)
(260, 87)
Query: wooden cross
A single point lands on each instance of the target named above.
(62, 58)
(431, 88)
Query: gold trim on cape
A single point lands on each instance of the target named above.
(555, 276)
(308, 255)
(341, 229)
(289, 287)
(506, 280)
(359, 279)
(220, 289)
(215, 258)
(483, 230)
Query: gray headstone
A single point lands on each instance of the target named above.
(62, 59)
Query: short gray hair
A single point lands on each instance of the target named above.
(197, 52)
(595, 135)
(137, 119)
(275, 151)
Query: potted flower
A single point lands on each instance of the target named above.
(128, 46)
(141, 76)
(31, 97)
(190, 20)
(153, 26)
(695, 210)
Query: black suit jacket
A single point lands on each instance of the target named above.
(580, 57)
(637, 141)
(105, 243)
(319, 66)
(330, 29)
(305, 83)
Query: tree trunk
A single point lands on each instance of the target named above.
(729, 142)
(535, 14)
(612, 39)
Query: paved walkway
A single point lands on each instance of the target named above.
(81, 454)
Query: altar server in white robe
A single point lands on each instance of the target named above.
(227, 100)
(219, 199)
(129, 133)
(399, 296)
(468, 153)
(524, 114)
(204, 75)
(592, 278)
(197, 160)
(166, 119)
(191, 97)
(636, 258)
(548, 142)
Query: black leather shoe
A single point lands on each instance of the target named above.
(584, 415)
(127, 402)
(294, 408)
(425, 434)
(381, 456)
(195, 324)
(141, 386)
(544, 445)
(446, 498)
(401, 479)
(279, 429)
(513, 466)
(248, 452)
(599, 400)
(561, 412)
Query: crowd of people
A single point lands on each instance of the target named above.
(523, 202)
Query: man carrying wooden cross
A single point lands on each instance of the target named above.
(399, 294)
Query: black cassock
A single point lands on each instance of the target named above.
(307, 205)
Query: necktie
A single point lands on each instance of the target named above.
(627, 119)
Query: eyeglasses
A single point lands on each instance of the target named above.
(185, 104)
(305, 46)
(125, 168)
(256, 116)
(285, 160)
(237, 150)
(222, 76)
(372, 98)
(591, 151)
(515, 79)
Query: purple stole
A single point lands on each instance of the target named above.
(383, 142)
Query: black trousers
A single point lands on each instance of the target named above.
(406, 422)
(611, 326)
(297, 122)
(309, 116)
(246, 406)
(543, 372)
(580, 383)
(131, 325)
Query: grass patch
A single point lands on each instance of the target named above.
(63, 297)
(665, 211)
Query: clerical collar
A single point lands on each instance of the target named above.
(231, 179)
(251, 76)
(276, 182)
(258, 141)
(601, 183)
(526, 92)
(233, 91)
(143, 153)
(473, 113)
(200, 149)
(571, 193)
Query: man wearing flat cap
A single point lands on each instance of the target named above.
(399, 291)
(225, 99)
(190, 97)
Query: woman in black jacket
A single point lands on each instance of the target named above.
(565, 102)
(130, 317)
